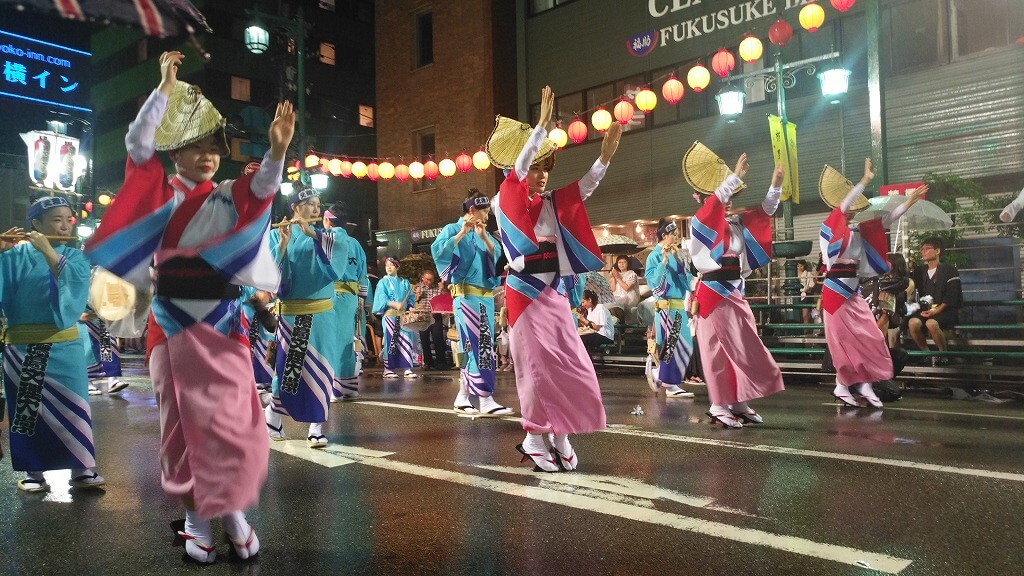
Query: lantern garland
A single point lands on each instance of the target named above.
(623, 108)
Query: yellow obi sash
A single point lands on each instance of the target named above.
(463, 289)
(302, 306)
(39, 334)
(393, 312)
(343, 287)
(670, 304)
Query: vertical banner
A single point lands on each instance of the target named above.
(784, 150)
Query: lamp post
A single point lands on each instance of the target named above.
(257, 40)
(834, 81)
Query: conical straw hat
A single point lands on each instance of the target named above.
(507, 141)
(190, 117)
(833, 187)
(111, 297)
(704, 170)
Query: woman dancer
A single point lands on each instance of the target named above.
(44, 284)
(393, 296)
(727, 248)
(666, 273)
(349, 291)
(859, 351)
(102, 356)
(467, 257)
(206, 240)
(547, 237)
(308, 347)
(625, 287)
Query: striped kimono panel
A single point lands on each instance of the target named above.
(307, 400)
(346, 304)
(474, 317)
(835, 238)
(106, 358)
(675, 345)
(397, 346)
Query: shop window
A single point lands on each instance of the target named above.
(240, 88)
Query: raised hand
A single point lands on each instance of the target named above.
(169, 62)
(778, 176)
(281, 130)
(869, 173)
(610, 143)
(547, 108)
(741, 166)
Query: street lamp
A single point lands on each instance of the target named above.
(257, 41)
(835, 81)
(730, 101)
(319, 180)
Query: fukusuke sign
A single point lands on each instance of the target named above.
(43, 72)
(680, 20)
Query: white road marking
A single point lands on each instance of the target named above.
(802, 546)
(631, 431)
(978, 414)
(332, 456)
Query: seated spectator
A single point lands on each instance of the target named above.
(941, 282)
(595, 322)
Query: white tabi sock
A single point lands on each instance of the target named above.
(316, 429)
(203, 534)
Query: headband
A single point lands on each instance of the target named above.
(303, 195)
(477, 202)
(45, 203)
(393, 260)
(667, 228)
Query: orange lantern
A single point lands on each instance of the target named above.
(325, 165)
(559, 137)
(312, 160)
(463, 162)
(780, 33)
(577, 131)
(334, 166)
(447, 167)
(358, 169)
(481, 161)
(623, 111)
(843, 5)
(672, 90)
(723, 62)
(401, 172)
(386, 170)
(812, 16)
(601, 119)
(346, 168)
(698, 77)
(416, 170)
(373, 171)
(646, 100)
(751, 48)
(430, 170)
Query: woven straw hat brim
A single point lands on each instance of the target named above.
(833, 187)
(189, 118)
(704, 170)
(507, 140)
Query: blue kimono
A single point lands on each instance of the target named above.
(262, 370)
(347, 291)
(670, 282)
(44, 361)
(471, 270)
(308, 348)
(397, 350)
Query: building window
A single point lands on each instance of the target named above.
(566, 108)
(629, 87)
(914, 35)
(980, 25)
(366, 116)
(424, 24)
(239, 88)
(604, 94)
(539, 6)
(327, 53)
(327, 5)
(425, 143)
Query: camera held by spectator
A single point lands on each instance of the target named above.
(921, 305)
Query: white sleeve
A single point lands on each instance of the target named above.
(529, 151)
(727, 188)
(896, 214)
(139, 140)
(1011, 210)
(851, 197)
(267, 180)
(592, 178)
(771, 200)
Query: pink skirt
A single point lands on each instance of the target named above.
(858, 348)
(737, 366)
(558, 390)
(213, 441)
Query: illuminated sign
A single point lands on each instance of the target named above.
(43, 72)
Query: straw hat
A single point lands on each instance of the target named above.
(111, 297)
(190, 117)
(704, 170)
(507, 141)
(833, 187)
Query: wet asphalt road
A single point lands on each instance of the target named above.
(927, 486)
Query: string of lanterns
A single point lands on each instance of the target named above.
(698, 77)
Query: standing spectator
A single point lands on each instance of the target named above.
(941, 281)
(625, 287)
(432, 338)
(808, 288)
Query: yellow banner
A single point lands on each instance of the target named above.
(784, 149)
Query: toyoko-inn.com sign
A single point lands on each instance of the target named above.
(43, 72)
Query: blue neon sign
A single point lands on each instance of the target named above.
(43, 72)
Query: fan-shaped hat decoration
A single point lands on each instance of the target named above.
(704, 170)
(833, 187)
(190, 117)
(507, 141)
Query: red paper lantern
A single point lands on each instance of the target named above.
(401, 172)
(780, 33)
(623, 111)
(843, 5)
(464, 162)
(430, 171)
(577, 131)
(672, 90)
(723, 62)
(373, 171)
(346, 168)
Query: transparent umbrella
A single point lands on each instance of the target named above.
(922, 216)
